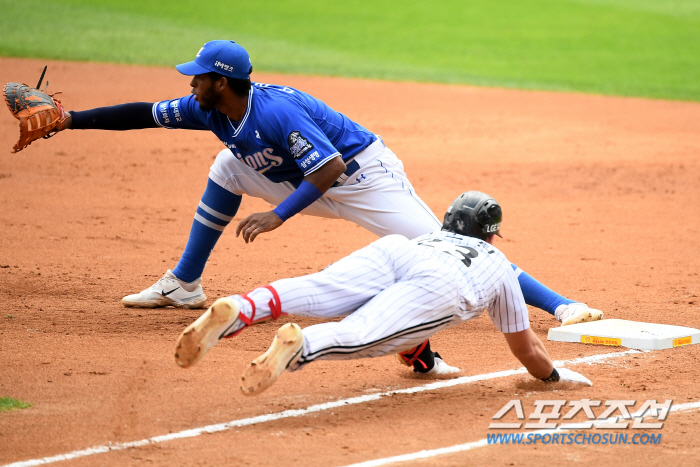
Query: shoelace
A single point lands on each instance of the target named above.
(163, 279)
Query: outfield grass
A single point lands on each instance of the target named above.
(7, 404)
(624, 47)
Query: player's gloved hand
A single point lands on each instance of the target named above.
(576, 313)
(569, 376)
(257, 223)
(40, 115)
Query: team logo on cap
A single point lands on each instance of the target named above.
(298, 145)
(223, 66)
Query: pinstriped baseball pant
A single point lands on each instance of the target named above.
(391, 298)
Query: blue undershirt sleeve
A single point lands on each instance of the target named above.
(537, 294)
(132, 116)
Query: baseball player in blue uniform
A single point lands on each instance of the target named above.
(290, 149)
(392, 295)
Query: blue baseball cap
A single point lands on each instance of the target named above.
(224, 57)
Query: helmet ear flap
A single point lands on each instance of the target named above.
(483, 217)
(492, 216)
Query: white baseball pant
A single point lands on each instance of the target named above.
(378, 196)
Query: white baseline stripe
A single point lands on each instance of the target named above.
(484, 442)
(299, 412)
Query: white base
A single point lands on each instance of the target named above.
(632, 334)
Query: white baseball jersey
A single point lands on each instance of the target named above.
(487, 280)
(396, 293)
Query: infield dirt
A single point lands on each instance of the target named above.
(601, 200)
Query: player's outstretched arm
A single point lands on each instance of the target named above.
(132, 116)
(531, 352)
(311, 189)
(565, 310)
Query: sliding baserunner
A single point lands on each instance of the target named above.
(394, 294)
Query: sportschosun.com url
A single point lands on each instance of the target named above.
(573, 438)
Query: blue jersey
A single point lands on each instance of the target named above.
(284, 134)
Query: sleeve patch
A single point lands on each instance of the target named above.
(163, 111)
(310, 159)
(298, 145)
(175, 108)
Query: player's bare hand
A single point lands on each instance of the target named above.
(257, 223)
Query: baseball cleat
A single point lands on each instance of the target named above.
(441, 368)
(168, 291)
(264, 370)
(574, 313)
(200, 336)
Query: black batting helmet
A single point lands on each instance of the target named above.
(474, 214)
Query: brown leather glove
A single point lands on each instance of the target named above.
(40, 115)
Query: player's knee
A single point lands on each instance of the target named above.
(225, 171)
(224, 158)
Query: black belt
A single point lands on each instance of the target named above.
(352, 167)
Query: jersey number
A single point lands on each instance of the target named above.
(462, 253)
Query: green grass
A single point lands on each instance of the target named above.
(624, 47)
(7, 404)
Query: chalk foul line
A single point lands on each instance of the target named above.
(191, 433)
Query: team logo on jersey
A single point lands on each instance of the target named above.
(298, 145)
(261, 161)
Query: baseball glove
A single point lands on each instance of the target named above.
(40, 115)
